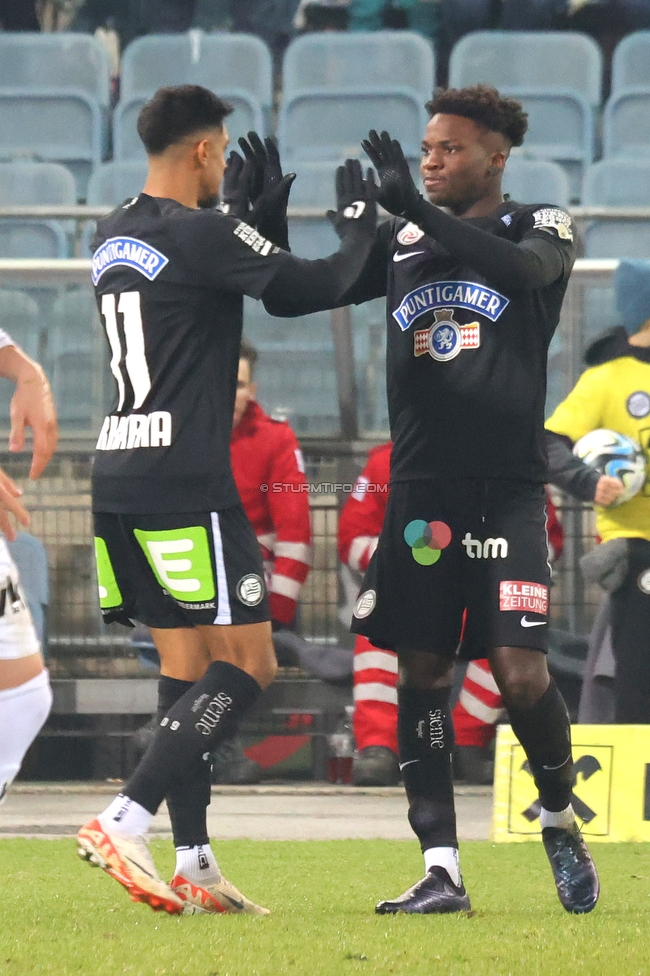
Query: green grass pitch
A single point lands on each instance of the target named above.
(60, 916)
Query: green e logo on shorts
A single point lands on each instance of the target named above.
(109, 591)
(180, 560)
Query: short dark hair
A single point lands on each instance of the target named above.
(484, 105)
(249, 353)
(174, 113)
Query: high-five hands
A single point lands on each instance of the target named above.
(398, 193)
(356, 200)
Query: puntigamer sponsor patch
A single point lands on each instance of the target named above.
(450, 294)
(127, 251)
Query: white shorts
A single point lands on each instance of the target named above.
(17, 634)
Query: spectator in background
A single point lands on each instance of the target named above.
(614, 392)
(272, 20)
(269, 472)
(18, 15)
(322, 15)
(418, 15)
(133, 18)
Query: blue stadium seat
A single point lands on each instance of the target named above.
(27, 182)
(617, 182)
(369, 337)
(626, 123)
(312, 238)
(55, 125)
(317, 124)
(513, 60)
(296, 375)
(536, 181)
(77, 358)
(222, 62)
(314, 186)
(112, 183)
(53, 61)
(248, 114)
(631, 62)
(359, 60)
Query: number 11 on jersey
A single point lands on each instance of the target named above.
(129, 365)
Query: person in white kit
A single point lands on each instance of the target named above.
(25, 694)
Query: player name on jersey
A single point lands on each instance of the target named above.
(138, 430)
(459, 294)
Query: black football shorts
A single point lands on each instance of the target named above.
(459, 562)
(180, 570)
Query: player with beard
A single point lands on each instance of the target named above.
(174, 548)
(473, 298)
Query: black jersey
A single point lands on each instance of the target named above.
(466, 361)
(169, 283)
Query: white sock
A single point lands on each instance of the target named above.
(197, 864)
(23, 712)
(564, 818)
(444, 857)
(124, 816)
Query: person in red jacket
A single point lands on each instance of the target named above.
(479, 706)
(269, 472)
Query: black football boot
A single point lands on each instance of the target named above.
(574, 871)
(435, 894)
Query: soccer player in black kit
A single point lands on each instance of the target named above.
(174, 547)
(473, 298)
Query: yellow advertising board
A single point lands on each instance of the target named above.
(611, 793)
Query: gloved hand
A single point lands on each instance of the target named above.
(270, 189)
(398, 193)
(237, 187)
(356, 200)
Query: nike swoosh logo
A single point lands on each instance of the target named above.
(238, 904)
(532, 623)
(139, 866)
(409, 763)
(397, 257)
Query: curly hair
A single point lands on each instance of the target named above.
(484, 105)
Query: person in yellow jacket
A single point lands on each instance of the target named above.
(614, 392)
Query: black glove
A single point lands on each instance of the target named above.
(270, 189)
(398, 193)
(356, 200)
(237, 187)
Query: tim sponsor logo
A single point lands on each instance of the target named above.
(519, 595)
(490, 549)
(137, 430)
(213, 714)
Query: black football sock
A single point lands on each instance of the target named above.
(206, 714)
(425, 734)
(189, 798)
(545, 733)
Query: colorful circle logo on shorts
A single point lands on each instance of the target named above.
(427, 540)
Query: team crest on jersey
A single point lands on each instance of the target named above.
(250, 590)
(410, 234)
(551, 218)
(450, 294)
(127, 251)
(445, 338)
(638, 404)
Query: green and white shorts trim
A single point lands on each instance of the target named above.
(180, 570)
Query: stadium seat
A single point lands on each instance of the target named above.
(55, 125)
(369, 337)
(77, 357)
(30, 183)
(248, 114)
(626, 123)
(112, 183)
(617, 182)
(317, 124)
(536, 181)
(20, 317)
(631, 62)
(514, 60)
(222, 62)
(296, 375)
(351, 61)
(312, 238)
(54, 61)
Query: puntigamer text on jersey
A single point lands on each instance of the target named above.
(459, 294)
(130, 252)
